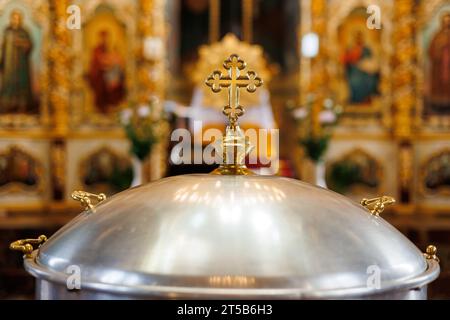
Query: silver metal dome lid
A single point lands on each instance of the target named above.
(207, 235)
(231, 234)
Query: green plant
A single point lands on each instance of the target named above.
(315, 147)
(314, 122)
(142, 125)
(142, 139)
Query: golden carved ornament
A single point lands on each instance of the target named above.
(233, 82)
(235, 146)
(210, 56)
(152, 73)
(404, 67)
(60, 72)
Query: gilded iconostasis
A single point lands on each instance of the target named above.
(91, 92)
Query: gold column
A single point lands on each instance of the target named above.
(59, 86)
(312, 74)
(404, 68)
(214, 21)
(247, 20)
(318, 26)
(403, 88)
(153, 72)
(58, 160)
(59, 67)
(304, 71)
(318, 71)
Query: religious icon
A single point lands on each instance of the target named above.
(355, 169)
(105, 47)
(16, 87)
(107, 172)
(106, 74)
(436, 173)
(16, 166)
(437, 99)
(359, 58)
(361, 71)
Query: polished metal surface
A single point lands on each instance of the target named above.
(237, 236)
(47, 290)
(53, 286)
(229, 234)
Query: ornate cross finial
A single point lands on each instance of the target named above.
(233, 81)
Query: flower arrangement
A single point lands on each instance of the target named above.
(315, 120)
(142, 124)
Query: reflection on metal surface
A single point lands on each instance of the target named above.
(232, 281)
(85, 198)
(377, 205)
(26, 245)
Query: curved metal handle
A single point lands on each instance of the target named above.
(85, 198)
(377, 205)
(26, 245)
(430, 253)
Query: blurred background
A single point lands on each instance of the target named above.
(91, 92)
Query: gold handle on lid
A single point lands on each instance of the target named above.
(430, 253)
(26, 245)
(377, 205)
(86, 198)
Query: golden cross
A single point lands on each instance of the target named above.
(233, 81)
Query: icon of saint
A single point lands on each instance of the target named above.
(439, 77)
(106, 74)
(16, 95)
(362, 71)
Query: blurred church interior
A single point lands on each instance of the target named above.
(91, 93)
